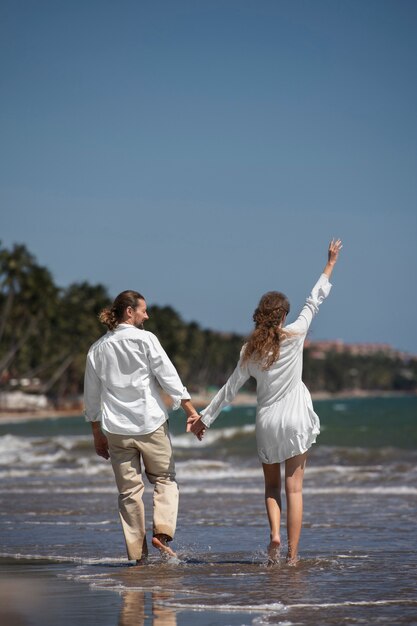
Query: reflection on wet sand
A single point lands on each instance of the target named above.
(20, 599)
(140, 608)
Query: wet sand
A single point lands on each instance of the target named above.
(40, 594)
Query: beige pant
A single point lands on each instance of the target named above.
(155, 451)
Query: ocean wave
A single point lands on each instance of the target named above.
(273, 607)
(212, 436)
(347, 603)
(232, 489)
(58, 490)
(47, 470)
(343, 469)
(371, 491)
(51, 558)
(22, 457)
(206, 469)
(79, 523)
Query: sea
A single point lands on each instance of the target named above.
(62, 553)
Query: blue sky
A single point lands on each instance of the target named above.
(204, 152)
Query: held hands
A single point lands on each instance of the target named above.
(196, 426)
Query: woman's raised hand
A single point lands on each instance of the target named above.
(335, 247)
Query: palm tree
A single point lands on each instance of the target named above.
(29, 296)
(15, 265)
(76, 327)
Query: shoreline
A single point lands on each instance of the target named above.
(199, 400)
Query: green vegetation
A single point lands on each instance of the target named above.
(343, 371)
(45, 332)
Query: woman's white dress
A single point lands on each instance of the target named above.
(286, 424)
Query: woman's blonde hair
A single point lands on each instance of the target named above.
(112, 315)
(264, 343)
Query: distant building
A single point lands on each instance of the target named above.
(319, 349)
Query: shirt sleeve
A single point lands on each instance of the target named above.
(92, 393)
(165, 372)
(319, 293)
(226, 394)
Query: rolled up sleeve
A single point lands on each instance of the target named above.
(92, 394)
(165, 372)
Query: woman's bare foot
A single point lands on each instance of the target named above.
(292, 560)
(160, 543)
(274, 550)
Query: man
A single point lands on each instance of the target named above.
(129, 419)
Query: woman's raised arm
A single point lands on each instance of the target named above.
(335, 247)
(319, 292)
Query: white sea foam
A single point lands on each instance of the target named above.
(352, 556)
(347, 603)
(78, 523)
(232, 489)
(278, 607)
(40, 452)
(212, 435)
(213, 470)
(392, 490)
(274, 607)
(265, 621)
(55, 558)
(59, 490)
(13, 449)
(343, 469)
(58, 472)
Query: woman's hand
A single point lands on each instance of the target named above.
(196, 426)
(335, 247)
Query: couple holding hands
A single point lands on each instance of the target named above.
(129, 418)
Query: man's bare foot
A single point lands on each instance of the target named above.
(274, 550)
(160, 543)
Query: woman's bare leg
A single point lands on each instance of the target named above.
(272, 477)
(294, 474)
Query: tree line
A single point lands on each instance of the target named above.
(46, 330)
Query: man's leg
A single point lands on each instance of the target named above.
(159, 465)
(125, 459)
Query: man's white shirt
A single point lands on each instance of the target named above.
(122, 373)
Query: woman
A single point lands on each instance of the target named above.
(286, 424)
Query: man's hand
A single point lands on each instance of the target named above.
(100, 441)
(196, 426)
